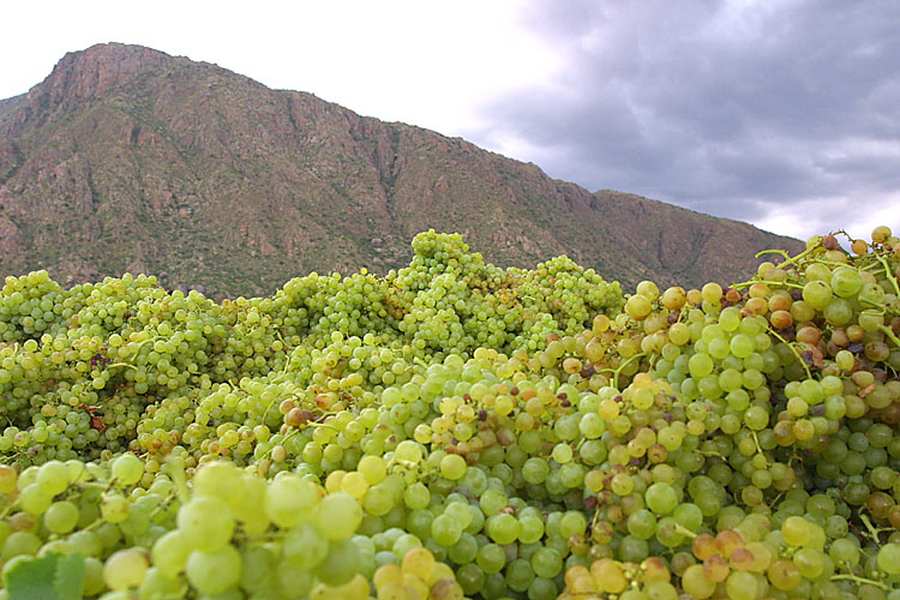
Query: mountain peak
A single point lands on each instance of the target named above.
(112, 52)
(89, 73)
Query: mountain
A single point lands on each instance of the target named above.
(128, 159)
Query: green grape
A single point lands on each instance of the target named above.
(445, 530)
(290, 500)
(373, 468)
(214, 572)
(460, 512)
(453, 467)
(638, 307)
(531, 529)
(171, 551)
(535, 470)
(689, 516)
(217, 479)
(125, 569)
(20, 543)
(207, 522)
(817, 294)
(700, 365)
(546, 563)
(503, 528)
(519, 575)
(661, 498)
(304, 547)
(34, 499)
(632, 549)
(53, 477)
(492, 502)
(741, 345)
(542, 589)
(340, 564)
(127, 469)
(378, 500)
(642, 524)
(572, 523)
(418, 522)
(562, 453)
(158, 585)
(591, 426)
(464, 550)
(491, 558)
(338, 516)
(404, 544)
(889, 559)
(809, 562)
(86, 543)
(695, 583)
(741, 585)
(796, 531)
(417, 496)
(418, 562)
(61, 517)
(93, 576)
(409, 451)
(784, 575)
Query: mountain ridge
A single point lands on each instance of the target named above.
(127, 158)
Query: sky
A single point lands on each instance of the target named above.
(783, 113)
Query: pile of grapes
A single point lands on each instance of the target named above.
(454, 429)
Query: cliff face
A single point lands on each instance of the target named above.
(126, 158)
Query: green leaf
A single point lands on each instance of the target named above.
(52, 577)
(69, 579)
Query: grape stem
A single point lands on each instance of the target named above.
(407, 464)
(283, 440)
(758, 447)
(266, 413)
(281, 337)
(788, 259)
(176, 472)
(873, 532)
(122, 364)
(781, 253)
(859, 579)
(595, 519)
(888, 273)
(95, 523)
(833, 263)
(141, 344)
(710, 453)
(328, 425)
(684, 531)
(750, 282)
(617, 370)
(844, 233)
(162, 505)
(794, 350)
(105, 487)
(890, 334)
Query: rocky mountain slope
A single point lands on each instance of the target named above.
(128, 159)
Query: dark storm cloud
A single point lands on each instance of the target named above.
(729, 108)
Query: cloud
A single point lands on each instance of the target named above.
(783, 113)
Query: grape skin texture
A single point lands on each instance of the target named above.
(458, 430)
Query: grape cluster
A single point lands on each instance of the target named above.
(456, 430)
